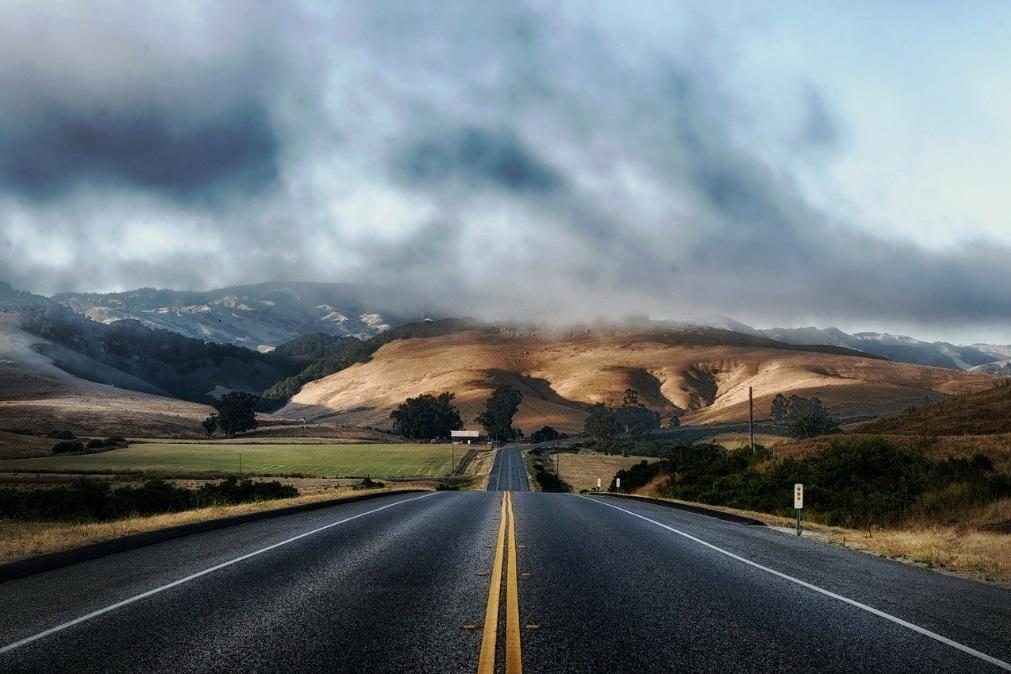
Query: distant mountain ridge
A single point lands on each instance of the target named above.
(985, 358)
(265, 315)
(257, 316)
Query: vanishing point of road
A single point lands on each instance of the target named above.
(506, 580)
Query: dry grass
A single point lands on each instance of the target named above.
(996, 447)
(981, 413)
(560, 375)
(17, 446)
(966, 549)
(738, 440)
(19, 540)
(582, 470)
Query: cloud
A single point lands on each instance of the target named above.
(182, 157)
(476, 157)
(514, 161)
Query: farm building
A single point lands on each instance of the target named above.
(465, 437)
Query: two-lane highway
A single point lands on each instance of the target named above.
(515, 580)
(509, 472)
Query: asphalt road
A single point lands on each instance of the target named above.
(404, 583)
(509, 472)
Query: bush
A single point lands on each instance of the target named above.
(369, 483)
(88, 499)
(852, 483)
(61, 435)
(551, 483)
(68, 446)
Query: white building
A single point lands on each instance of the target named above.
(465, 437)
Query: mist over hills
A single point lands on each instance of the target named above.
(356, 369)
(261, 315)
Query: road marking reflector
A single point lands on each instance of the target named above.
(144, 595)
(968, 650)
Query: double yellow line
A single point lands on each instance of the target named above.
(513, 654)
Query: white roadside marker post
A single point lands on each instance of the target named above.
(798, 502)
(598, 484)
(617, 484)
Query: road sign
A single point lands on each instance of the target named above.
(798, 496)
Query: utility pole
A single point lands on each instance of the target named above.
(751, 418)
(452, 461)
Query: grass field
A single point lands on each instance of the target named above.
(177, 458)
(582, 470)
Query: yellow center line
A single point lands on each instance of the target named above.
(514, 656)
(486, 663)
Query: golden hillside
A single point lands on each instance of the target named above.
(560, 375)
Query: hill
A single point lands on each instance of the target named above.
(701, 373)
(986, 412)
(257, 316)
(131, 355)
(979, 357)
(37, 395)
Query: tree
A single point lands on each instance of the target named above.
(779, 410)
(236, 412)
(210, 424)
(427, 417)
(600, 424)
(499, 410)
(802, 417)
(546, 434)
(635, 418)
(675, 420)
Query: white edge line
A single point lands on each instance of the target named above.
(852, 602)
(144, 595)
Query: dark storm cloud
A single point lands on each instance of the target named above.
(476, 157)
(515, 161)
(56, 148)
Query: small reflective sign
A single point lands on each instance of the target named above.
(798, 496)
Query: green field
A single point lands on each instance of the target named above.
(331, 460)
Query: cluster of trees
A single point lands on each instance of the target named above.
(853, 482)
(499, 410)
(546, 434)
(86, 499)
(427, 417)
(632, 418)
(235, 412)
(802, 417)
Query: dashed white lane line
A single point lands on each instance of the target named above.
(852, 602)
(199, 574)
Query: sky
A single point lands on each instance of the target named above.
(789, 163)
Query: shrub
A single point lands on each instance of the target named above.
(61, 435)
(88, 499)
(369, 483)
(68, 446)
(853, 483)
